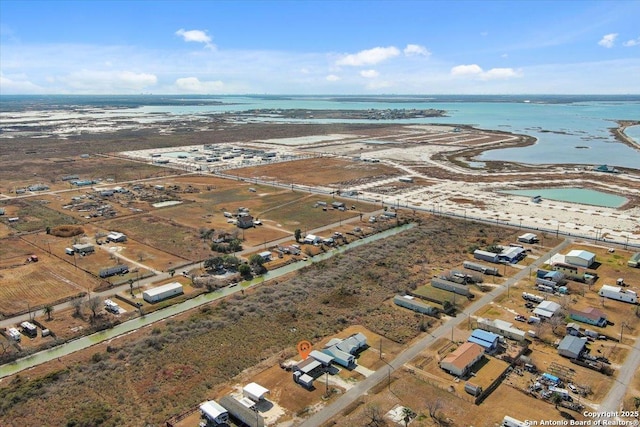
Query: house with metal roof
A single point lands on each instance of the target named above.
(589, 315)
(487, 340)
(503, 328)
(340, 357)
(213, 413)
(580, 258)
(528, 238)
(462, 359)
(572, 346)
(546, 309)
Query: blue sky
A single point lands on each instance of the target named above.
(319, 47)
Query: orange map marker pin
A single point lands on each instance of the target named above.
(304, 348)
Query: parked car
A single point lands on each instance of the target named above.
(520, 318)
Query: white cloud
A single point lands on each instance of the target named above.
(197, 36)
(474, 70)
(92, 81)
(501, 74)
(466, 70)
(632, 42)
(18, 84)
(416, 49)
(369, 57)
(332, 78)
(608, 40)
(369, 74)
(194, 85)
(504, 55)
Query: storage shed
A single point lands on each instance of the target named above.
(580, 258)
(254, 391)
(572, 347)
(162, 292)
(112, 271)
(460, 361)
(214, 413)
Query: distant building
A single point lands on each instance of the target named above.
(116, 237)
(503, 328)
(83, 248)
(415, 304)
(528, 238)
(605, 169)
(634, 261)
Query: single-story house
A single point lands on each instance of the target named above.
(512, 254)
(634, 261)
(571, 346)
(265, 255)
(546, 309)
(312, 239)
(340, 357)
(460, 361)
(528, 238)
(83, 248)
(114, 236)
(580, 258)
(487, 340)
(589, 315)
(503, 328)
(321, 357)
(245, 221)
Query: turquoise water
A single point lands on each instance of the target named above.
(634, 133)
(560, 124)
(559, 127)
(574, 195)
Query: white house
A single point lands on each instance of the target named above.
(546, 309)
(312, 239)
(580, 258)
(114, 236)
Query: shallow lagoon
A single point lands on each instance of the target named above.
(574, 195)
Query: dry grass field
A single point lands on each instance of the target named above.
(321, 171)
(45, 282)
(178, 363)
(49, 171)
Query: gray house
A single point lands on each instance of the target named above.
(572, 346)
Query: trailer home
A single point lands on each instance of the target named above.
(162, 292)
(617, 293)
(491, 271)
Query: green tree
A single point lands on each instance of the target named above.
(213, 263)
(556, 399)
(48, 309)
(297, 234)
(244, 270)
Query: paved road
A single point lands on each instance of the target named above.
(412, 352)
(613, 401)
